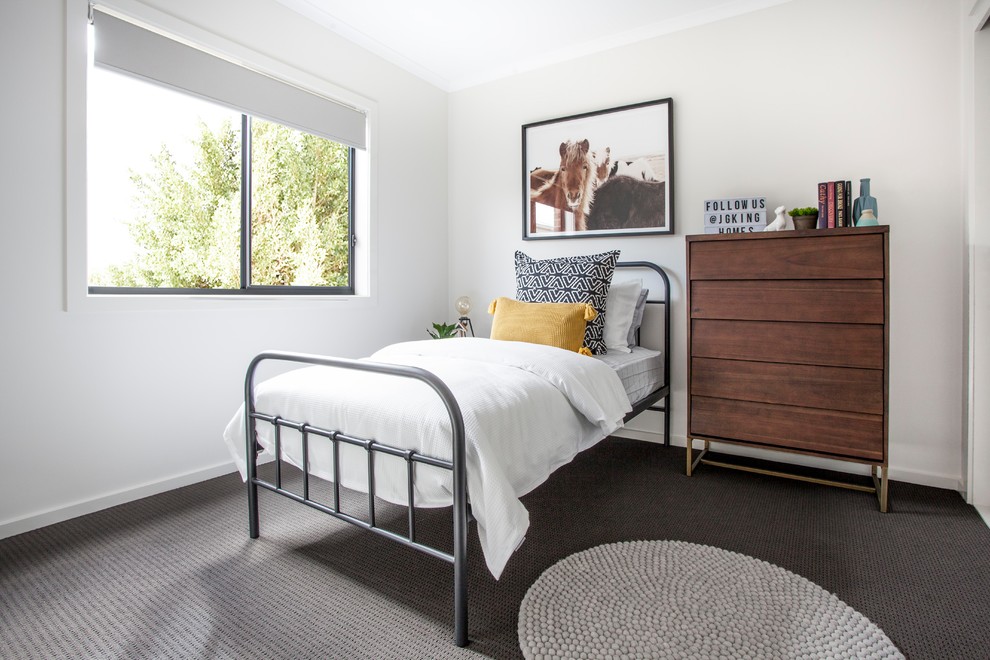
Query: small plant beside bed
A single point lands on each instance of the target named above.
(443, 330)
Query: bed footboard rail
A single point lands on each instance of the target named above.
(457, 465)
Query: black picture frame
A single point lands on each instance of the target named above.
(603, 173)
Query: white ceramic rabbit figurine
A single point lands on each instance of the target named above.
(781, 222)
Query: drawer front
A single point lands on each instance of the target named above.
(826, 301)
(827, 344)
(834, 388)
(789, 258)
(841, 434)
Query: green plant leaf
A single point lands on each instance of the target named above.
(443, 331)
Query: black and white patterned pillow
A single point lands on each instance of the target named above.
(583, 279)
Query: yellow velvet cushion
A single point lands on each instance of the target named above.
(553, 324)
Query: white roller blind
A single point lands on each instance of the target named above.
(133, 50)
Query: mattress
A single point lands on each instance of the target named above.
(640, 371)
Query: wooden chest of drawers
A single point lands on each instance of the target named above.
(787, 343)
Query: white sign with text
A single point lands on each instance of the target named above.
(738, 215)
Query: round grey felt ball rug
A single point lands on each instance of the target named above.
(670, 599)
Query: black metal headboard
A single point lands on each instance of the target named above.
(663, 392)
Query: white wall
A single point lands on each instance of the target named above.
(977, 84)
(871, 89)
(97, 404)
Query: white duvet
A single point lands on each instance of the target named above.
(527, 409)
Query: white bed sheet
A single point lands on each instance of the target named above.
(527, 409)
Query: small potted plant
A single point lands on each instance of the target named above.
(805, 217)
(443, 330)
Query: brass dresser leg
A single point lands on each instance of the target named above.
(880, 485)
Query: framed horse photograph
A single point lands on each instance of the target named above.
(603, 173)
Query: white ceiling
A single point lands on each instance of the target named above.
(460, 43)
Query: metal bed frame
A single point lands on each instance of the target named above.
(457, 463)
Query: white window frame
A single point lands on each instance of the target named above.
(77, 296)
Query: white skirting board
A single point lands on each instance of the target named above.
(949, 482)
(647, 436)
(52, 516)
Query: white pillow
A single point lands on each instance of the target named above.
(619, 307)
(637, 319)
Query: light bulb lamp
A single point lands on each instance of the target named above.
(463, 306)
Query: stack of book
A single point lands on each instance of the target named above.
(835, 204)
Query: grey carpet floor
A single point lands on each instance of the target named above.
(175, 575)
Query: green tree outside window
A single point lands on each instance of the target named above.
(187, 229)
